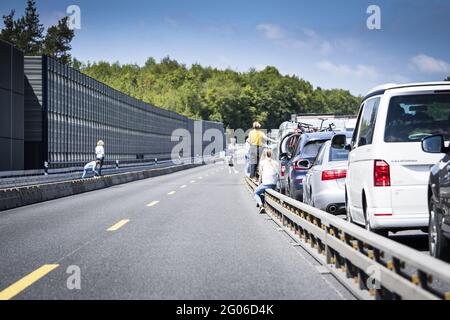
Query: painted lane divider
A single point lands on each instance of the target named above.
(153, 203)
(193, 181)
(171, 193)
(183, 186)
(118, 225)
(27, 281)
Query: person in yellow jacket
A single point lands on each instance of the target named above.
(256, 139)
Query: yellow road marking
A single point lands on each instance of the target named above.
(118, 225)
(153, 203)
(171, 193)
(27, 281)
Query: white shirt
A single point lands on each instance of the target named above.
(90, 165)
(269, 172)
(100, 152)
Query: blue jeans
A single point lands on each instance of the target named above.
(101, 165)
(259, 193)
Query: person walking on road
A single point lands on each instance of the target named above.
(256, 138)
(268, 178)
(247, 158)
(100, 154)
(91, 166)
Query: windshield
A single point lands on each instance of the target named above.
(412, 118)
(311, 149)
(338, 154)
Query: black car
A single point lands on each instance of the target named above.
(439, 199)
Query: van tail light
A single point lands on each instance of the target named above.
(297, 166)
(381, 174)
(283, 170)
(333, 174)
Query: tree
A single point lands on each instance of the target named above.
(9, 31)
(30, 31)
(448, 79)
(27, 34)
(234, 98)
(57, 41)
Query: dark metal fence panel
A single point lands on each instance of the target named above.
(81, 111)
(11, 108)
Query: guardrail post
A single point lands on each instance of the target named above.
(46, 168)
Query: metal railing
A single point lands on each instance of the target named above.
(369, 265)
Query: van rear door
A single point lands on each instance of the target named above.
(410, 119)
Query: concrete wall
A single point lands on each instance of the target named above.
(11, 108)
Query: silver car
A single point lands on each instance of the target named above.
(324, 184)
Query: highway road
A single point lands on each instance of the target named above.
(194, 234)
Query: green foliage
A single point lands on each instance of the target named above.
(448, 79)
(57, 41)
(27, 34)
(234, 98)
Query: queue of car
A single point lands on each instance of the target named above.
(392, 173)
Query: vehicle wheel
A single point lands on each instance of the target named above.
(438, 244)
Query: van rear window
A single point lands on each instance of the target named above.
(412, 118)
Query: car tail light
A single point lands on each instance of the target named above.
(381, 174)
(297, 166)
(283, 170)
(333, 174)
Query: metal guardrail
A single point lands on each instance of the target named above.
(369, 265)
(75, 173)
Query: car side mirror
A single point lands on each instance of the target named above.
(339, 142)
(304, 164)
(434, 144)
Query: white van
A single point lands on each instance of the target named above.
(387, 178)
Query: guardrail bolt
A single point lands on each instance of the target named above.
(415, 279)
(390, 265)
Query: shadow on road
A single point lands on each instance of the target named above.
(417, 240)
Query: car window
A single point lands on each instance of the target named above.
(319, 159)
(367, 122)
(414, 117)
(338, 155)
(358, 121)
(311, 149)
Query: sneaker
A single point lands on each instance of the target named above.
(262, 210)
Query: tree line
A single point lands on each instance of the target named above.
(27, 33)
(235, 98)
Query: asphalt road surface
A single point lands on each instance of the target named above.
(194, 234)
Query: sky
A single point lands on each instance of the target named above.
(325, 42)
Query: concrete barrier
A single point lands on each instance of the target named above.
(23, 196)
